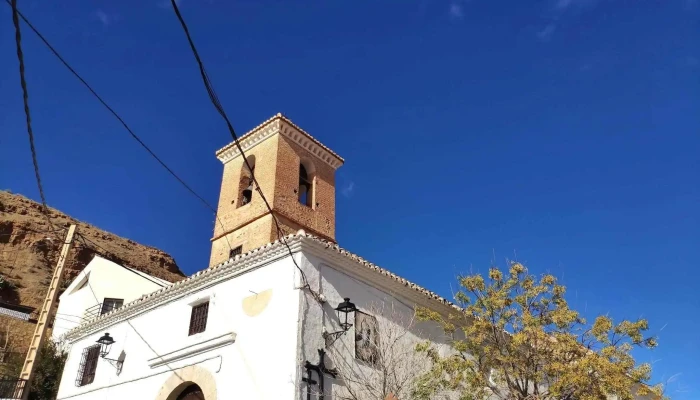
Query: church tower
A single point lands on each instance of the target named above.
(296, 173)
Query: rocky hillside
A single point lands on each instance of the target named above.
(28, 254)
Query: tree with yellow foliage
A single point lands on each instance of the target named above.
(517, 339)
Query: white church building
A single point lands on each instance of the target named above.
(102, 286)
(271, 318)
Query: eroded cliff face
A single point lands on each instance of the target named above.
(28, 254)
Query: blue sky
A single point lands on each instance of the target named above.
(561, 133)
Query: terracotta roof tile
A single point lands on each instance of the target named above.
(232, 262)
(357, 258)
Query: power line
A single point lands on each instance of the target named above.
(87, 277)
(114, 113)
(68, 315)
(97, 301)
(27, 114)
(109, 254)
(217, 104)
(62, 318)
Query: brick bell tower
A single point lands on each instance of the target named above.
(297, 176)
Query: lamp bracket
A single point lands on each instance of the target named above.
(118, 364)
(331, 337)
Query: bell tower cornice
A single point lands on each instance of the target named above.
(282, 125)
(296, 174)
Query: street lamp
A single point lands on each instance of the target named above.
(106, 343)
(344, 309)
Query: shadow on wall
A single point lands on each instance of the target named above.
(375, 302)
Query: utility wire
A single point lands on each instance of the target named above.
(25, 98)
(62, 318)
(217, 104)
(97, 301)
(111, 110)
(68, 315)
(219, 108)
(84, 239)
(106, 253)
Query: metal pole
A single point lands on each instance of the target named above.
(42, 320)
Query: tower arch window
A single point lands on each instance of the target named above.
(246, 183)
(306, 184)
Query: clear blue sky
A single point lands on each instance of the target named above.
(564, 133)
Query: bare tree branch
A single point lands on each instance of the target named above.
(396, 365)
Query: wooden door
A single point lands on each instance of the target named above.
(192, 392)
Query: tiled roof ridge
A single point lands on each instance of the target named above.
(287, 120)
(368, 264)
(269, 246)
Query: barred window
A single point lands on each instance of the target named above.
(198, 319)
(235, 251)
(88, 365)
(110, 304)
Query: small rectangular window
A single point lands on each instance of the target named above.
(235, 251)
(198, 319)
(88, 365)
(110, 304)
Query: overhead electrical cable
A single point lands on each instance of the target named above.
(217, 104)
(108, 254)
(114, 113)
(27, 113)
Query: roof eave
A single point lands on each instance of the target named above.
(255, 258)
(280, 124)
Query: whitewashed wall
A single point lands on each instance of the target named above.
(332, 278)
(259, 364)
(265, 359)
(107, 280)
(336, 282)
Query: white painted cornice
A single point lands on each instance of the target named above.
(202, 279)
(282, 125)
(251, 139)
(335, 256)
(355, 266)
(193, 349)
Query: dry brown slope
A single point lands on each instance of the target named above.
(28, 256)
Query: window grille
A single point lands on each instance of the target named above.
(198, 319)
(11, 388)
(88, 365)
(235, 251)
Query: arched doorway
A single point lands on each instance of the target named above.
(191, 392)
(189, 383)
